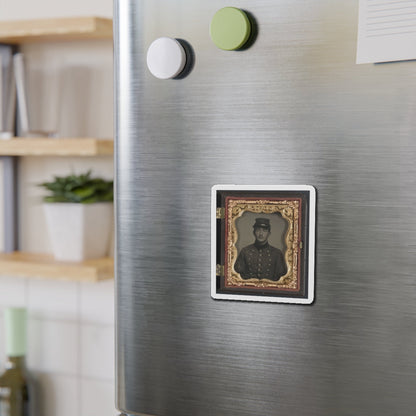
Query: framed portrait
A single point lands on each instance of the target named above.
(263, 243)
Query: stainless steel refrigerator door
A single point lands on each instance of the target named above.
(292, 109)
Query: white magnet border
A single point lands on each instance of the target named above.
(311, 244)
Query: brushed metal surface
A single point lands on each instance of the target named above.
(292, 109)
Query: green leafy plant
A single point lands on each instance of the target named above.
(81, 189)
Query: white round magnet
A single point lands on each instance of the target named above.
(166, 58)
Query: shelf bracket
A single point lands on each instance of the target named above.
(10, 203)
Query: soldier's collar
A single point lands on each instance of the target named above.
(259, 246)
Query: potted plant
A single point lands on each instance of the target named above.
(79, 216)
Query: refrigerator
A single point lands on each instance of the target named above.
(262, 106)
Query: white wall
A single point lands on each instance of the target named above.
(71, 335)
(27, 9)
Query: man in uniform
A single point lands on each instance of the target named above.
(261, 260)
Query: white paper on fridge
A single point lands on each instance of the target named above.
(386, 31)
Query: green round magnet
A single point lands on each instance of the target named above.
(230, 28)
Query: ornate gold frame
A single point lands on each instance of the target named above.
(290, 211)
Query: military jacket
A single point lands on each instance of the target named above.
(260, 262)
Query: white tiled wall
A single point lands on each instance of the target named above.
(70, 343)
(71, 324)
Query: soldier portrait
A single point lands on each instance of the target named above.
(263, 243)
(260, 260)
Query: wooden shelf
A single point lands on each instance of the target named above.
(39, 30)
(44, 266)
(41, 265)
(18, 146)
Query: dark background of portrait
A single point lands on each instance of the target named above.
(244, 225)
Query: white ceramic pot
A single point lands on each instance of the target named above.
(79, 231)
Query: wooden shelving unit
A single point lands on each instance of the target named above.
(41, 30)
(44, 266)
(56, 147)
(40, 265)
